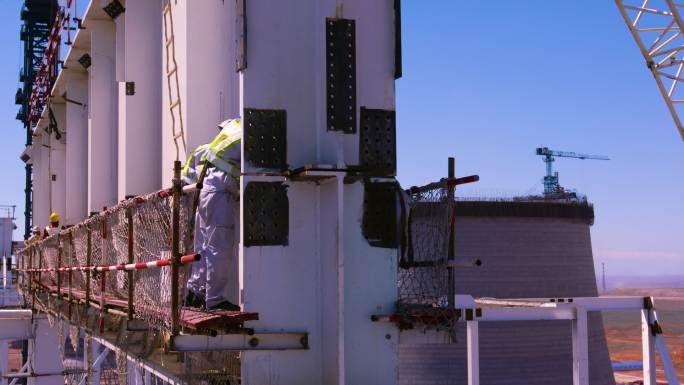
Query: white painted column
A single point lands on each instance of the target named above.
(44, 355)
(209, 85)
(41, 187)
(648, 349)
(580, 347)
(102, 112)
(76, 147)
(473, 342)
(58, 161)
(139, 32)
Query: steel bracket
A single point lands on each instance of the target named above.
(114, 9)
(240, 342)
(85, 60)
(377, 141)
(266, 138)
(266, 215)
(380, 214)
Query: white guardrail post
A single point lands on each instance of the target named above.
(473, 337)
(580, 348)
(648, 349)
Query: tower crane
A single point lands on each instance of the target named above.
(658, 29)
(551, 185)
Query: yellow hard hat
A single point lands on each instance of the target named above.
(54, 217)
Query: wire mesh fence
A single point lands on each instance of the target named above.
(424, 284)
(137, 230)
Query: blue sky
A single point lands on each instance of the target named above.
(488, 82)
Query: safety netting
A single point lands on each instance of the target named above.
(219, 368)
(424, 284)
(137, 230)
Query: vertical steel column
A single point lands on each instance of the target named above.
(473, 342)
(580, 348)
(40, 266)
(72, 255)
(59, 265)
(89, 252)
(31, 274)
(450, 254)
(175, 235)
(103, 284)
(648, 348)
(131, 259)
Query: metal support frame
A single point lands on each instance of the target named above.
(131, 259)
(647, 349)
(175, 251)
(573, 309)
(451, 252)
(657, 29)
(22, 370)
(241, 342)
(96, 364)
(38, 18)
(148, 367)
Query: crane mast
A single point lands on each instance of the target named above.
(656, 27)
(551, 185)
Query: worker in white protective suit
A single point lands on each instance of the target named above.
(213, 282)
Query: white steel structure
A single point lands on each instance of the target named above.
(313, 82)
(135, 79)
(476, 311)
(657, 26)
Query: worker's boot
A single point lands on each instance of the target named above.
(194, 300)
(225, 305)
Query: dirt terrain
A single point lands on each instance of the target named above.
(623, 330)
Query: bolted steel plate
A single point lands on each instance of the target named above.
(266, 215)
(341, 75)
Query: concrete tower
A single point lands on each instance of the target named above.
(528, 250)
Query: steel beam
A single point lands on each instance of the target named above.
(648, 349)
(241, 342)
(15, 325)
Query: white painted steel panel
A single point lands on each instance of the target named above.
(139, 154)
(103, 117)
(76, 148)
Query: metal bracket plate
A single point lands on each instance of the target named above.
(380, 214)
(241, 33)
(341, 74)
(85, 60)
(114, 9)
(266, 215)
(266, 138)
(378, 144)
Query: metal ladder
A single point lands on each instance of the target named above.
(172, 77)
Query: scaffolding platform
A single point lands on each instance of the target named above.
(191, 319)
